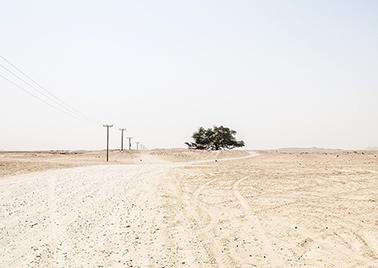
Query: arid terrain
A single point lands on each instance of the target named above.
(181, 208)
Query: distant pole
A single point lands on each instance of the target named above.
(122, 130)
(137, 143)
(107, 141)
(129, 142)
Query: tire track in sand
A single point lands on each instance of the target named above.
(253, 218)
(213, 248)
(56, 233)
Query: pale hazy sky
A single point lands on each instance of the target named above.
(281, 73)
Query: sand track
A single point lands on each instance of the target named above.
(62, 222)
(243, 212)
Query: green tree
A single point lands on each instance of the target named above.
(216, 138)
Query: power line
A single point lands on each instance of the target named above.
(37, 97)
(49, 95)
(35, 82)
(36, 89)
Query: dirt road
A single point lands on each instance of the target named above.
(231, 213)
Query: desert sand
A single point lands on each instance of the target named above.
(180, 208)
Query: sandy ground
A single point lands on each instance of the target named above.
(287, 208)
(12, 163)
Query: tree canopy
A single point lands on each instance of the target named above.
(216, 138)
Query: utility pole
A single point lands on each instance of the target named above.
(122, 130)
(137, 143)
(129, 142)
(107, 141)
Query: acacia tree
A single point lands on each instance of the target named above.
(216, 138)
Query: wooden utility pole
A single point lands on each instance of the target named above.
(122, 130)
(129, 142)
(107, 141)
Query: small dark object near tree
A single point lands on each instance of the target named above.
(216, 138)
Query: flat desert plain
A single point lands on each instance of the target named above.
(181, 208)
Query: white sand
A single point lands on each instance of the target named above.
(267, 211)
